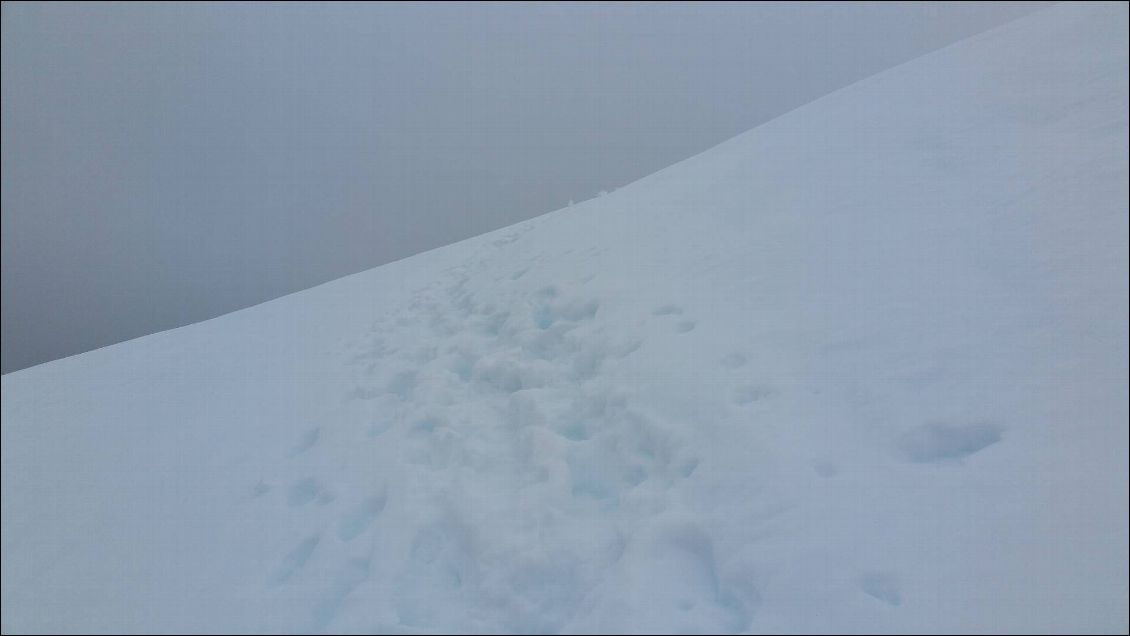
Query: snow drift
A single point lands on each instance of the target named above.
(860, 369)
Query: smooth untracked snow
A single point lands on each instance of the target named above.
(861, 369)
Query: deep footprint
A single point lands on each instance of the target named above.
(357, 521)
(354, 573)
(309, 439)
(303, 492)
(295, 559)
(882, 587)
(937, 441)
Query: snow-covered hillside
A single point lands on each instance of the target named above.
(860, 369)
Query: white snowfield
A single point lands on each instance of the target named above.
(861, 369)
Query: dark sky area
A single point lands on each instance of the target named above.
(165, 163)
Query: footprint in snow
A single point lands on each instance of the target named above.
(303, 492)
(752, 393)
(359, 519)
(309, 439)
(938, 442)
(295, 559)
(734, 360)
(355, 572)
(882, 587)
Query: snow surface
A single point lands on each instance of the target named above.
(860, 369)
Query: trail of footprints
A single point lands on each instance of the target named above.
(502, 389)
(535, 363)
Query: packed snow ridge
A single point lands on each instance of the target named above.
(860, 369)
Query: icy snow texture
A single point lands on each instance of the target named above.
(861, 369)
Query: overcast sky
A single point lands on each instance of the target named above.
(166, 163)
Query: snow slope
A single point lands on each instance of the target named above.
(860, 369)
